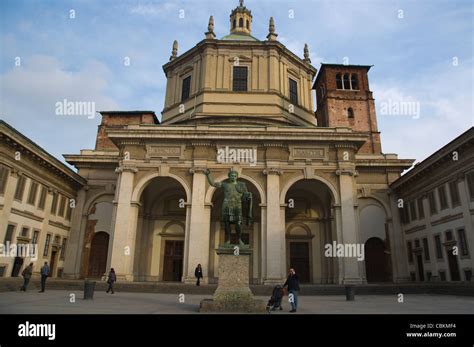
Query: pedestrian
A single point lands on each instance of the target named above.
(27, 272)
(44, 275)
(112, 278)
(293, 285)
(198, 274)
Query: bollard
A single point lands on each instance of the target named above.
(350, 291)
(89, 287)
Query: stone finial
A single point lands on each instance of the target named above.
(306, 54)
(271, 30)
(210, 29)
(241, 3)
(174, 52)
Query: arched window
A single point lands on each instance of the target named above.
(354, 82)
(248, 24)
(241, 22)
(235, 23)
(350, 113)
(338, 81)
(347, 84)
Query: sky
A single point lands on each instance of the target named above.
(111, 53)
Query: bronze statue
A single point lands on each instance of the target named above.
(234, 193)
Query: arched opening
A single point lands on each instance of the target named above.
(350, 113)
(159, 246)
(98, 255)
(251, 234)
(377, 267)
(241, 22)
(248, 24)
(338, 81)
(347, 84)
(354, 82)
(234, 24)
(309, 226)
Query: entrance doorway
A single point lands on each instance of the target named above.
(376, 266)
(419, 263)
(17, 264)
(98, 255)
(52, 262)
(453, 266)
(173, 261)
(299, 260)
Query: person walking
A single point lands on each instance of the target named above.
(44, 275)
(293, 285)
(198, 274)
(27, 272)
(112, 278)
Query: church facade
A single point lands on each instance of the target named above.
(317, 178)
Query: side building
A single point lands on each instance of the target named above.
(438, 213)
(37, 193)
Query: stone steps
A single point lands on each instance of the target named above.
(461, 289)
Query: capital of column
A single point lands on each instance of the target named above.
(197, 169)
(272, 171)
(349, 172)
(15, 172)
(121, 169)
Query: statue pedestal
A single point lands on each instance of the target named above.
(233, 293)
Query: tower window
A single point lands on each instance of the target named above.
(354, 82)
(234, 24)
(186, 88)
(338, 81)
(347, 84)
(240, 79)
(241, 22)
(350, 113)
(248, 24)
(293, 92)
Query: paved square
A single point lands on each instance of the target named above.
(58, 302)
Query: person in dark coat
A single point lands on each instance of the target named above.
(44, 275)
(198, 274)
(112, 278)
(293, 285)
(27, 272)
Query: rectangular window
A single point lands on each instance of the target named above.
(25, 232)
(32, 195)
(186, 90)
(442, 276)
(4, 172)
(412, 210)
(410, 252)
(417, 243)
(470, 184)
(42, 198)
(439, 247)
(443, 201)
(63, 249)
(20, 188)
(9, 234)
(293, 92)
(46, 245)
(454, 192)
(432, 201)
(426, 249)
(449, 235)
(62, 205)
(54, 205)
(240, 79)
(463, 242)
(34, 240)
(421, 211)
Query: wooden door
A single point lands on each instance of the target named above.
(52, 263)
(376, 265)
(98, 255)
(173, 261)
(299, 260)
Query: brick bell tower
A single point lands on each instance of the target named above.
(344, 100)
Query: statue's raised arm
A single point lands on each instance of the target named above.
(211, 181)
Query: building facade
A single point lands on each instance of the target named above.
(437, 217)
(37, 196)
(318, 178)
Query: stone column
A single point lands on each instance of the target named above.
(76, 235)
(275, 230)
(399, 256)
(199, 228)
(349, 228)
(124, 225)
